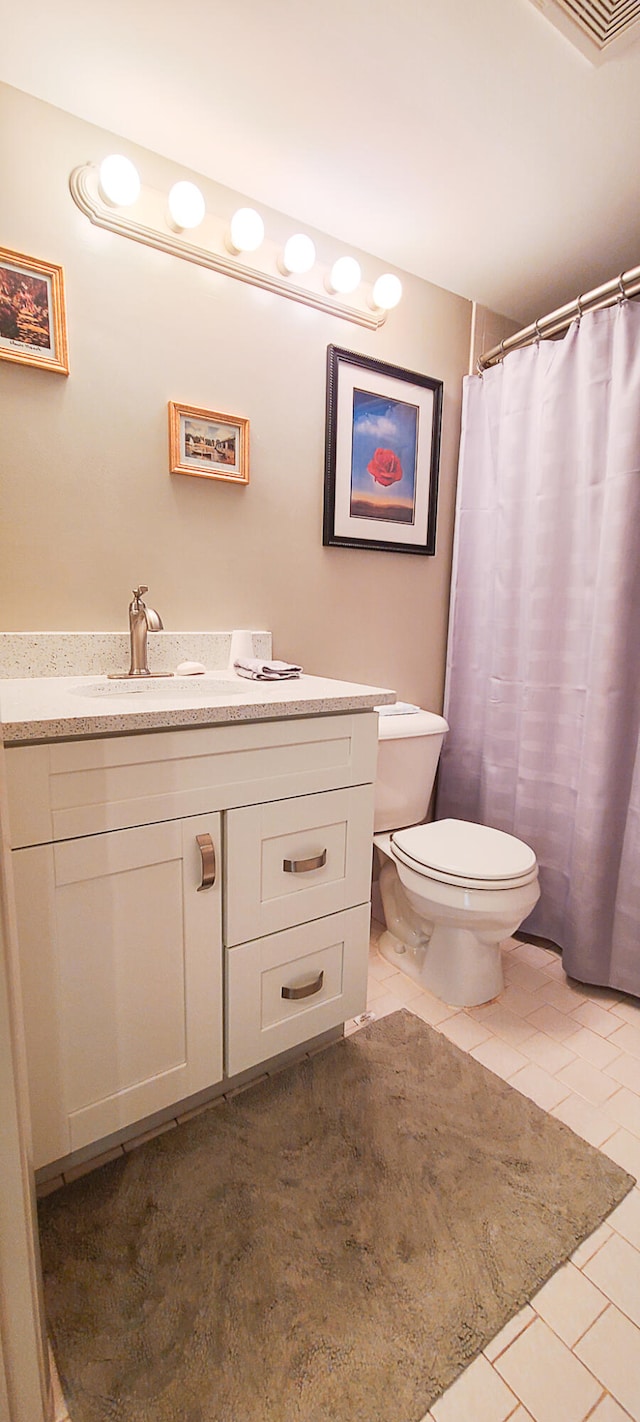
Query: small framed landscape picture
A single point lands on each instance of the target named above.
(382, 455)
(208, 444)
(32, 316)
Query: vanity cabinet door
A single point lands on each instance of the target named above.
(121, 966)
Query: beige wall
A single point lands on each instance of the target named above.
(88, 506)
(487, 330)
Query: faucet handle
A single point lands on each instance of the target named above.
(137, 592)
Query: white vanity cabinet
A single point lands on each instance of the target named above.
(143, 982)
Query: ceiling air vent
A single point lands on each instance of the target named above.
(598, 28)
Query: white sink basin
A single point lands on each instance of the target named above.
(198, 687)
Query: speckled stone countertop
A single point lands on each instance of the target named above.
(40, 654)
(49, 708)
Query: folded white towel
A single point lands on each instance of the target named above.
(255, 669)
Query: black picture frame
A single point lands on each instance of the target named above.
(370, 402)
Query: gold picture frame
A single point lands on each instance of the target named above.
(33, 328)
(208, 444)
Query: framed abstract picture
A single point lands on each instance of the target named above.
(208, 444)
(382, 455)
(32, 317)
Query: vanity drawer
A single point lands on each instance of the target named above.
(289, 987)
(73, 788)
(291, 861)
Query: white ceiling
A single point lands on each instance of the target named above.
(466, 141)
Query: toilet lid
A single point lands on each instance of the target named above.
(457, 851)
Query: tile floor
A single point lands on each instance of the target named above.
(574, 1352)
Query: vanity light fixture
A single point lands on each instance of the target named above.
(186, 206)
(345, 276)
(387, 292)
(226, 247)
(299, 255)
(119, 182)
(246, 233)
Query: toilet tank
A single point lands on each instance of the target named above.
(409, 746)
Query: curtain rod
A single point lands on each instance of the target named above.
(627, 284)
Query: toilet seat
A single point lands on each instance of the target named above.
(469, 855)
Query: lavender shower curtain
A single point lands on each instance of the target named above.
(543, 678)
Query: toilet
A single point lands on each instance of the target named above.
(451, 891)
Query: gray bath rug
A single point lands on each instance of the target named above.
(334, 1244)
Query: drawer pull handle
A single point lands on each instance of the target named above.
(307, 991)
(205, 845)
(304, 866)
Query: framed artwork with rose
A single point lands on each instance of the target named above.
(382, 455)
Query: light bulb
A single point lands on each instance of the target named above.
(387, 291)
(299, 254)
(247, 230)
(345, 275)
(118, 181)
(186, 205)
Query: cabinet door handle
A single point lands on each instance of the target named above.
(307, 991)
(205, 845)
(303, 866)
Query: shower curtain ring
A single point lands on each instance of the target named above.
(623, 292)
(579, 306)
(501, 356)
(538, 331)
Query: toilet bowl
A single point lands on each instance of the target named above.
(451, 890)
